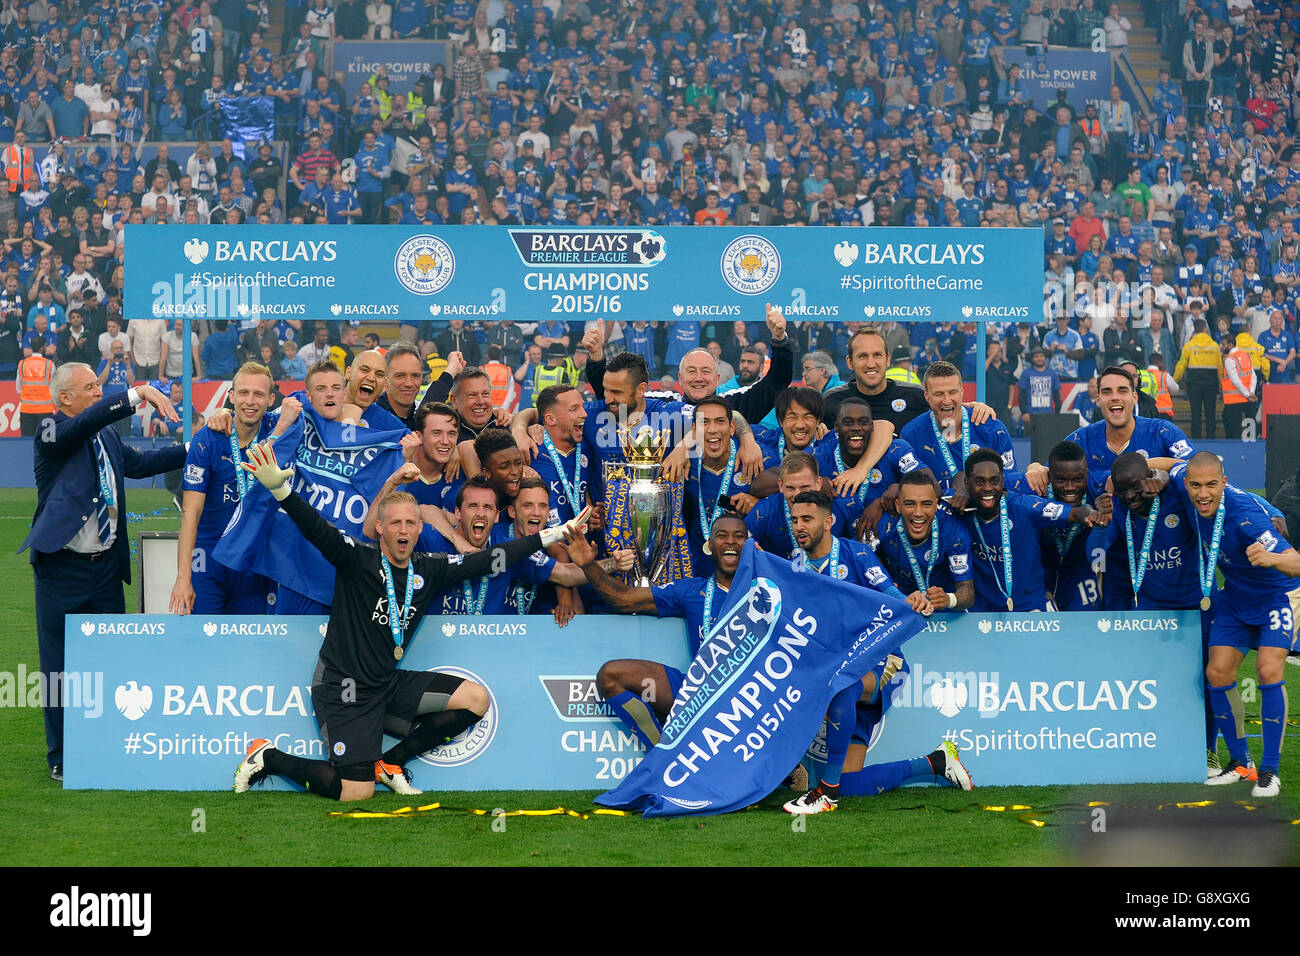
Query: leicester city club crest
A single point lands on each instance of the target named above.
(750, 265)
(424, 265)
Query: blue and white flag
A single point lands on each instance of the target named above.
(756, 693)
(338, 469)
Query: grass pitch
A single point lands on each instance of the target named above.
(44, 825)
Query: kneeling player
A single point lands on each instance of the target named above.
(641, 692)
(856, 710)
(358, 691)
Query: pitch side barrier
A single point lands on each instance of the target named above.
(165, 702)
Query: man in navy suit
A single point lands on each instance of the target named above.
(78, 541)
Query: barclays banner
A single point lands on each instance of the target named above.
(670, 273)
(1084, 75)
(1044, 699)
(405, 60)
(172, 702)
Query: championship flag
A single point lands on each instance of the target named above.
(755, 695)
(338, 469)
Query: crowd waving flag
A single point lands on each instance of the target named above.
(756, 693)
(338, 469)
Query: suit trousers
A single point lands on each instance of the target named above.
(69, 583)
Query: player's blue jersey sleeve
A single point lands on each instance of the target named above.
(872, 571)
(535, 569)
(902, 457)
(1017, 482)
(1042, 513)
(999, 439)
(198, 463)
(1255, 522)
(670, 598)
(431, 541)
(1267, 505)
(958, 552)
(1176, 443)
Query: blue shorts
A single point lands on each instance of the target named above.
(222, 590)
(1270, 624)
(870, 717)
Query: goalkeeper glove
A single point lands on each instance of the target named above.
(268, 472)
(557, 534)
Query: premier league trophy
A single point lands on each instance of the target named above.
(642, 514)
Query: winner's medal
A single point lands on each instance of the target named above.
(397, 613)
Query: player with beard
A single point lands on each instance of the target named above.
(641, 692)
(697, 372)
(713, 476)
(214, 483)
(1073, 556)
(1256, 608)
(561, 462)
(769, 521)
(1152, 536)
(477, 521)
(855, 711)
(502, 465)
(358, 691)
(1005, 527)
(844, 450)
(926, 551)
(530, 513)
(947, 433)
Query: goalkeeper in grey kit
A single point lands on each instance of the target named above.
(380, 595)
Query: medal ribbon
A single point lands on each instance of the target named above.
(577, 490)
(1205, 567)
(706, 518)
(943, 442)
(1138, 569)
(1006, 545)
(396, 612)
(923, 583)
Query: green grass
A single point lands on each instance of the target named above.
(911, 827)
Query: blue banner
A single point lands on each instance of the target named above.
(171, 703)
(405, 60)
(1084, 75)
(759, 687)
(672, 273)
(338, 469)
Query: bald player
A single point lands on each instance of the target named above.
(1255, 609)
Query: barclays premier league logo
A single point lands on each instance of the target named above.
(424, 265)
(464, 747)
(750, 265)
(608, 248)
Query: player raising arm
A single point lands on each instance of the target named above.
(641, 692)
(358, 691)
